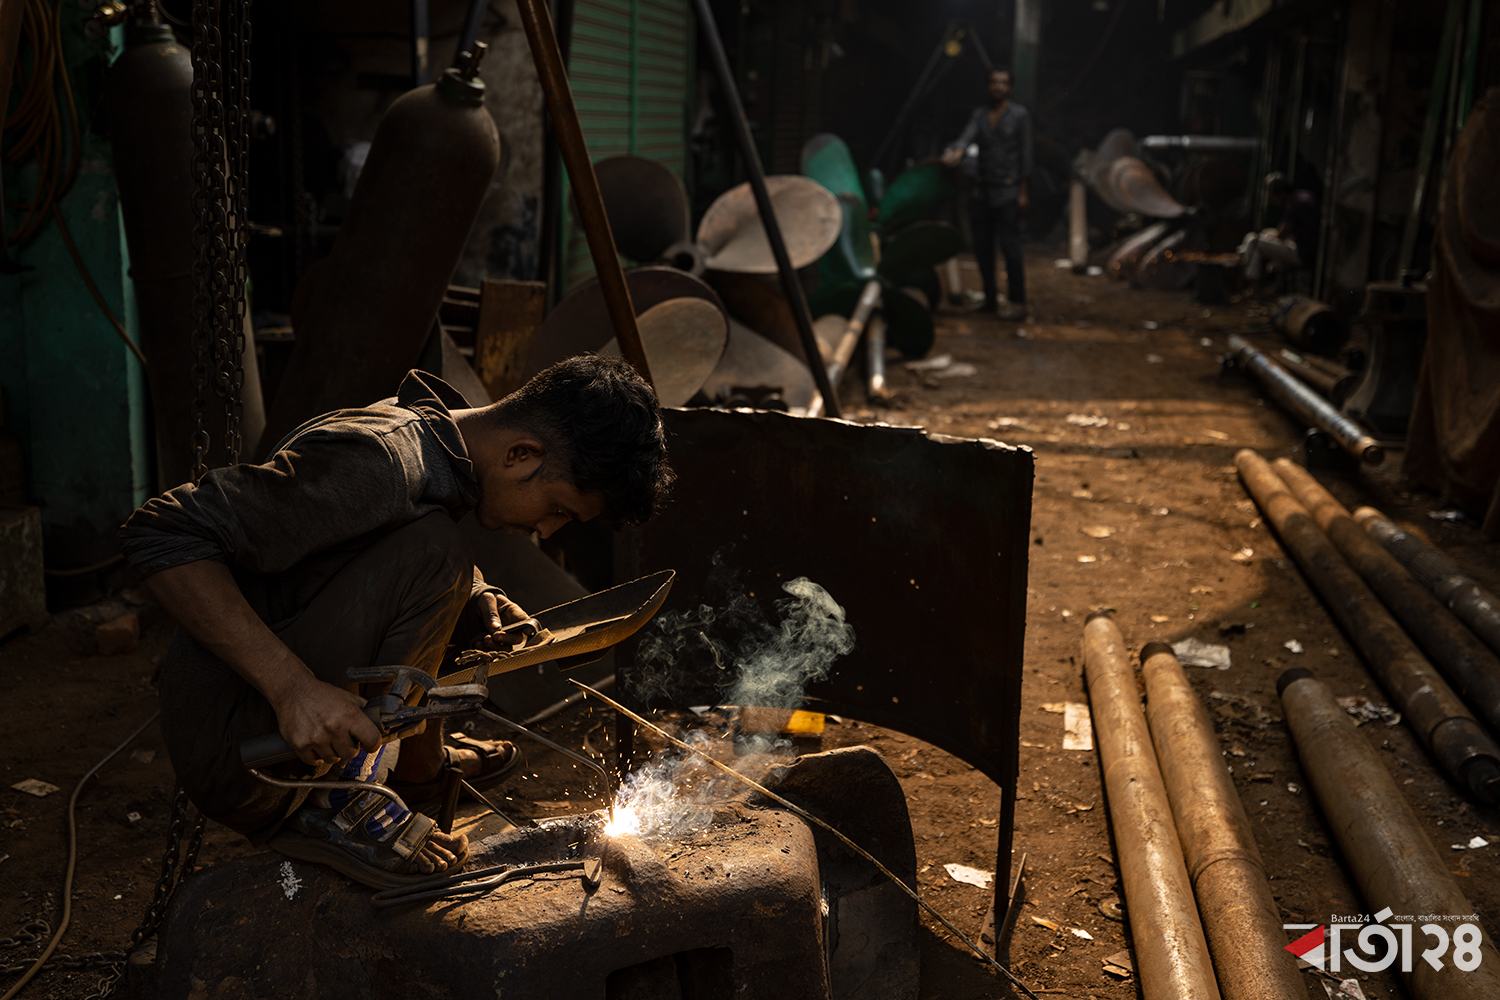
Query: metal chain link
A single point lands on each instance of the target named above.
(36, 930)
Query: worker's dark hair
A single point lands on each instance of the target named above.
(601, 420)
(999, 69)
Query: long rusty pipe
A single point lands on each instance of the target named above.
(1307, 404)
(1393, 862)
(843, 352)
(1470, 665)
(1171, 954)
(1224, 864)
(1437, 715)
(1477, 607)
(536, 19)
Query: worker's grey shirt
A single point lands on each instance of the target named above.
(1005, 158)
(333, 485)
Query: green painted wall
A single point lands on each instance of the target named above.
(630, 66)
(74, 393)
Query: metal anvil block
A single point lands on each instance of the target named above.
(756, 905)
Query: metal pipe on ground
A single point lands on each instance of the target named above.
(869, 301)
(875, 344)
(1172, 956)
(1224, 864)
(536, 19)
(1336, 388)
(1441, 721)
(1478, 608)
(1395, 865)
(1469, 664)
(1306, 404)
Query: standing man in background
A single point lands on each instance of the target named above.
(1001, 132)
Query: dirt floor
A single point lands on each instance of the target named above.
(1137, 508)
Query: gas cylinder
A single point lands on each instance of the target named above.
(151, 129)
(375, 298)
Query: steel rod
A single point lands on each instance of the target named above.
(1429, 134)
(843, 353)
(1386, 848)
(1307, 404)
(1171, 953)
(875, 358)
(1476, 607)
(1470, 665)
(790, 286)
(536, 19)
(1224, 865)
(1440, 720)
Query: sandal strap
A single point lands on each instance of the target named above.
(413, 835)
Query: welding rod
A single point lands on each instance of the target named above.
(1393, 861)
(1441, 721)
(1307, 404)
(1223, 862)
(1470, 665)
(1477, 607)
(869, 301)
(1171, 955)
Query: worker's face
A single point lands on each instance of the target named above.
(522, 492)
(999, 87)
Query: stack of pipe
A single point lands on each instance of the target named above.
(1397, 869)
(1439, 717)
(1306, 404)
(1183, 838)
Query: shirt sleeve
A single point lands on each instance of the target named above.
(327, 487)
(967, 135)
(1026, 158)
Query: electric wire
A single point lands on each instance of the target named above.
(67, 895)
(1009, 976)
(38, 117)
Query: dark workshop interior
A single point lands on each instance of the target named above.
(708, 499)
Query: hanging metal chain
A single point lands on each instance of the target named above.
(221, 117)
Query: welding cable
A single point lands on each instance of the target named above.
(67, 895)
(1009, 976)
(465, 883)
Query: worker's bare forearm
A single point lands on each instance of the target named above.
(207, 603)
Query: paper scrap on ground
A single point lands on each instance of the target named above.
(1472, 845)
(1051, 925)
(1293, 645)
(1055, 707)
(1078, 728)
(1243, 555)
(1197, 653)
(932, 364)
(1081, 933)
(970, 876)
(1346, 990)
(1097, 530)
(1364, 710)
(290, 883)
(31, 786)
(1087, 420)
(1119, 964)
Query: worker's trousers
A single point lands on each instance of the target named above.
(987, 225)
(395, 602)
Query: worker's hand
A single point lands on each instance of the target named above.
(951, 157)
(324, 723)
(497, 614)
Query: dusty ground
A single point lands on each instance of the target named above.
(1145, 488)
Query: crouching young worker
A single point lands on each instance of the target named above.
(342, 550)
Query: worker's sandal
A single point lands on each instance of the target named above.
(341, 838)
(497, 759)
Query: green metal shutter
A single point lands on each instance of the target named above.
(630, 67)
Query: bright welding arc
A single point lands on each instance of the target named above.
(811, 819)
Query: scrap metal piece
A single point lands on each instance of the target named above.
(1123, 262)
(752, 360)
(1228, 875)
(1381, 840)
(580, 323)
(889, 501)
(843, 350)
(1396, 316)
(684, 340)
(732, 234)
(916, 191)
(1309, 324)
(1128, 185)
(1305, 403)
(646, 204)
(1437, 716)
(1172, 956)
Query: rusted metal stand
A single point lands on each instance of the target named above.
(790, 286)
(536, 19)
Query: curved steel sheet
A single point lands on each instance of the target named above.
(1130, 186)
(646, 204)
(684, 340)
(732, 234)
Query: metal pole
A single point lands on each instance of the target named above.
(875, 344)
(1027, 44)
(1429, 134)
(1384, 845)
(1477, 607)
(1468, 663)
(1240, 917)
(1171, 953)
(1438, 718)
(790, 286)
(843, 352)
(1306, 403)
(537, 21)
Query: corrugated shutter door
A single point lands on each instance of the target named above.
(629, 67)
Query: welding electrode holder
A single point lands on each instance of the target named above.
(389, 711)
